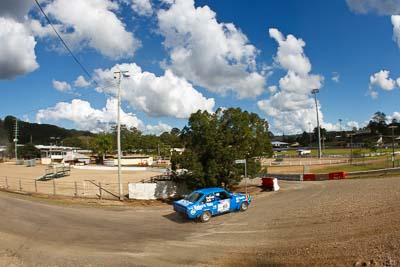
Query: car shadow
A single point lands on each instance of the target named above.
(177, 218)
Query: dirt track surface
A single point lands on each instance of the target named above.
(23, 172)
(331, 223)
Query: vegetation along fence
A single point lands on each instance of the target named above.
(86, 188)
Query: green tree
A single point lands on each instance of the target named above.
(378, 123)
(213, 141)
(28, 151)
(102, 144)
(73, 141)
(304, 139)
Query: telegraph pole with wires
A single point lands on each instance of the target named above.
(16, 138)
(118, 75)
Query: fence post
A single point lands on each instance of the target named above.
(100, 191)
(6, 183)
(35, 186)
(54, 187)
(20, 185)
(76, 189)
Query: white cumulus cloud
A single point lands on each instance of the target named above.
(216, 56)
(15, 9)
(166, 95)
(85, 117)
(335, 77)
(381, 79)
(396, 29)
(17, 49)
(91, 23)
(381, 7)
(158, 129)
(142, 7)
(61, 86)
(81, 82)
(292, 107)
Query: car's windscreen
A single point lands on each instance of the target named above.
(194, 196)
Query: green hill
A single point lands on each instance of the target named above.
(38, 133)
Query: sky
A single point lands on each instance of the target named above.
(263, 56)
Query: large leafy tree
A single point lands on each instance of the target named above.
(378, 123)
(102, 144)
(213, 141)
(28, 151)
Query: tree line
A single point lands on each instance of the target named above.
(211, 141)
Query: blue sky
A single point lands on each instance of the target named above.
(185, 55)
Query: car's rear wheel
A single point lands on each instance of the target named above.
(244, 206)
(205, 216)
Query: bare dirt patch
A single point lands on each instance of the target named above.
(331, 223)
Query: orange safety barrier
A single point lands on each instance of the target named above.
(336, 175)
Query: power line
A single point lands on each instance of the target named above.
(87, 73)
(65, 44)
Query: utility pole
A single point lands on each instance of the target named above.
(315, 92)
(119, 74)
(16, 138)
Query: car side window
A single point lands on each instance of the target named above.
(223, 195)
(209, 198)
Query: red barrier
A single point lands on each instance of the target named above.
(337, 175)
(268, 182)
(309, 177)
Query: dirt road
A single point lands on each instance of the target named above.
(335, 223)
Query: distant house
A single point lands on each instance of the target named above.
(279, 144)
(62, 154)
(178, 150)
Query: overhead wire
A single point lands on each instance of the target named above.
(84, 69)
(65, 44)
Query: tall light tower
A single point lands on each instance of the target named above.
(315, 92)
(392, 127)
(118, 75)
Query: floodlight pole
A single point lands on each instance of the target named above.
(121, 190)
(315, 92)
(392, 127)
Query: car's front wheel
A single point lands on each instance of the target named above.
(244, 206)
(205, 216)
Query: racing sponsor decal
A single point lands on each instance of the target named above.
(223, 205)
(198, 207)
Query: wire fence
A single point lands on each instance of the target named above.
(86, 188)
(306, 162)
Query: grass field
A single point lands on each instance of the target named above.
(356, 167)
(335, 152)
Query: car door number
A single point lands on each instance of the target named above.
(223, 205)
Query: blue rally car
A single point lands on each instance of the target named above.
(204, 203)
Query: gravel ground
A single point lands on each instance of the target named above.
(332, 223)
